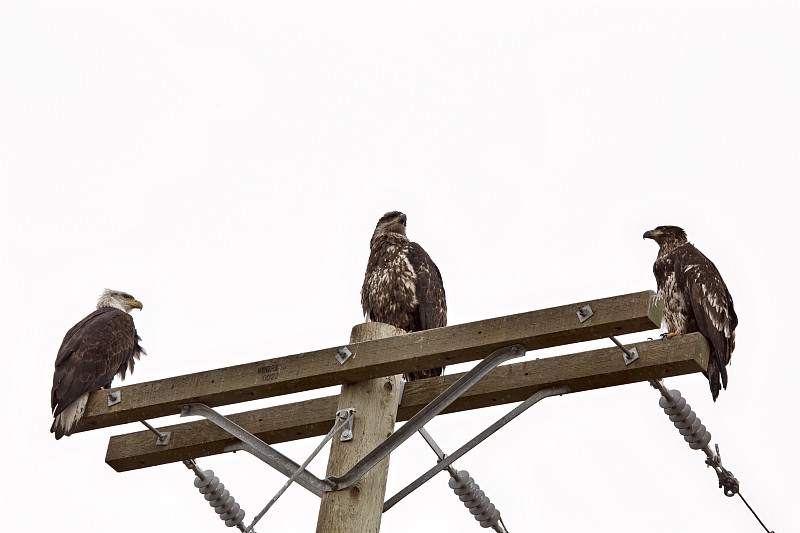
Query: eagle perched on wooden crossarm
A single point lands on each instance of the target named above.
(99, 347)
(402, 285)
(695, 299)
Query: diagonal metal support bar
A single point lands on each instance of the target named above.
(260, 449)
(425, 415)
(464, 486)
(450, 459)
(343, 417)
(630, 355)
(432, 443)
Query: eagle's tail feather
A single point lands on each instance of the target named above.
(66, 421)
(411, 376)
(724, 373)
(716, 372)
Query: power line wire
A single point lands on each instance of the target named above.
(754, 513)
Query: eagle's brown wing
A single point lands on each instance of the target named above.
(432, 308)
(712, 307)
(431, 311)
(94, 350)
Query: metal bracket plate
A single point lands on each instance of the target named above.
(163, 440)
(585, 313)
(343, 355)
(629, 354)
(634, 355)
(114, 397)
(347, 430)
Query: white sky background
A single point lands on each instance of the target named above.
(226, 164)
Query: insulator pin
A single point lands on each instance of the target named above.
(219, 498)
(683, 418)
(474, 499)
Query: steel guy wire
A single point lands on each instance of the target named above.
(336, 427)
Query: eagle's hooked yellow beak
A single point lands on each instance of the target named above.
(649, 235)
(135, 303)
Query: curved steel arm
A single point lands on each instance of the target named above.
(257, 447)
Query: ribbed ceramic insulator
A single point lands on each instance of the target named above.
(220, 499)
(682, 416)
(474, 499)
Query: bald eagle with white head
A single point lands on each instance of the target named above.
(402, 285)
(695, 299)
(99, 347)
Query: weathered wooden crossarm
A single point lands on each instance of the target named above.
(594, 369)
(416, 351)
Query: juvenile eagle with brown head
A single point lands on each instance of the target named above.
(402, 285)
(695, 299)
(97, 348)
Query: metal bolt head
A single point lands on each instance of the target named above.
(584, 313)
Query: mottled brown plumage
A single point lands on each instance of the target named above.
(402, 285)
(94, 350)
(695, 299)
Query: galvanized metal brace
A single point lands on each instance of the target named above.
(343, 417)
(257, 447)
(260, 449)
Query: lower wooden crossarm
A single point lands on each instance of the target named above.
(510, 383)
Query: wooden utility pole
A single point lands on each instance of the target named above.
(360, 507)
